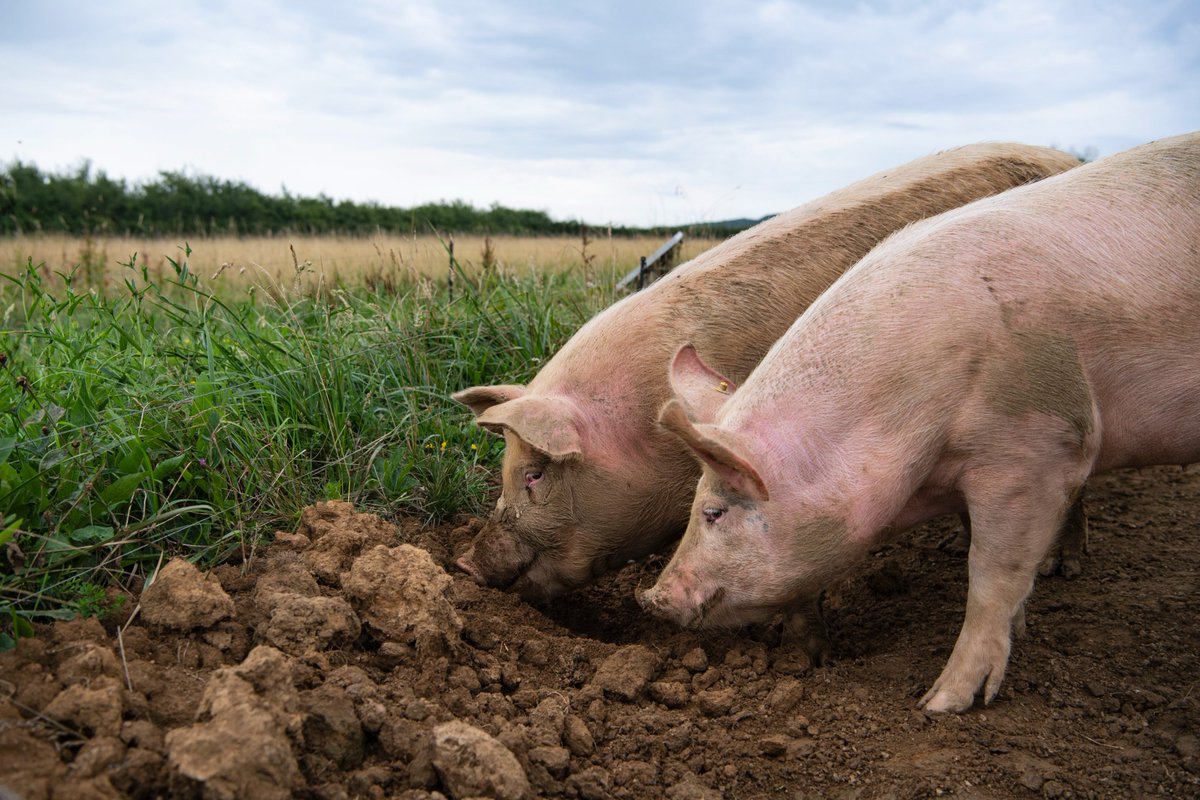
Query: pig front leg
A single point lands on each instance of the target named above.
(1014, 526)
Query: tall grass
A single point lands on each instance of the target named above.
(163, 415)
(383, 260)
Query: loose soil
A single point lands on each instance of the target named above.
(346, 662)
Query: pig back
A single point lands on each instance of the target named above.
(1091, 278)
(735, 300)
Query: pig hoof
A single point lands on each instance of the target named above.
(943, 701)
(806, 629)
(960, 683)
(1068, 566)
(818, 649)
(1071, 568)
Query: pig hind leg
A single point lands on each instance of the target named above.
(1016, 514)
(1072, 544)
(959, 542)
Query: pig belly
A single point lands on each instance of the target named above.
(1157, 427)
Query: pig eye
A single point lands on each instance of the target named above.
(711, 515)
(532, 477)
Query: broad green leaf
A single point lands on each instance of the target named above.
(92, 534)
(51, 458)
(9, 529)
(53, 613)
(120, 490)
(22, 627)
(55, 551)
(202, 397)
(8, 475)
(167, 467)
(132, 460)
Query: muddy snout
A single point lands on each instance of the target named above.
(466, 562)
(495, 558)
(651, 600)
(680, 600)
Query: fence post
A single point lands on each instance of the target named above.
(450, 271)
(664, 259)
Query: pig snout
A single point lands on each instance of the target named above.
(680, 599)
(466, 562)
(496, 557)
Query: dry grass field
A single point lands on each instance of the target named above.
(303, 260)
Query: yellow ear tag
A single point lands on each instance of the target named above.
(723, 387)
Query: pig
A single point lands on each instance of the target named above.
(590, 481)
(988, 360)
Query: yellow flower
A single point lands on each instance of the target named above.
(443, 445)
(474, 447)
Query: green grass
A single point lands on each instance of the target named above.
(161, 419)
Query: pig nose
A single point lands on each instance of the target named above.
(650, 599)
(677, 597)
(468, 566)
(666, 600)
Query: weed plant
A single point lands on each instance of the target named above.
(159, 418)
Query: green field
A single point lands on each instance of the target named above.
(159, 416)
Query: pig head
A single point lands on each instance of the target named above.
(568, 481)
(717, 577)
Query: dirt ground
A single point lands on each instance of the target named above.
(343, 662)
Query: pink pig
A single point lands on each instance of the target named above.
(989, 359)
(590, 480)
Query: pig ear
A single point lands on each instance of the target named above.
(545, 423)
(700, 388)
(718, 449)
(480, 398)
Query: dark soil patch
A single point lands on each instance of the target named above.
(344, 663)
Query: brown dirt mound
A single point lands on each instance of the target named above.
(347, 662)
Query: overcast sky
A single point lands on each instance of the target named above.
(646, 113)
